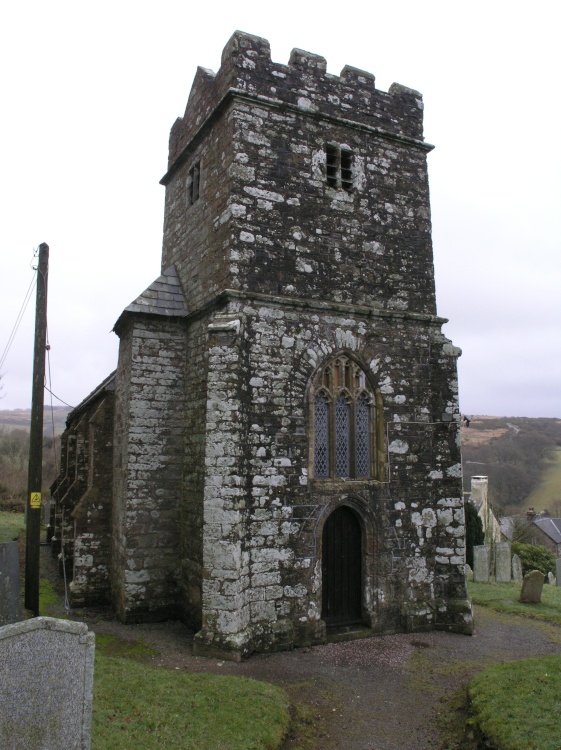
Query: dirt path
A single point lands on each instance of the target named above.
(384, 693)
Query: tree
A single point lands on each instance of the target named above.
(14, 456)
(534, 557)
(474, 531)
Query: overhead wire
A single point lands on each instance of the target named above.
(62, 401)
(18, 321)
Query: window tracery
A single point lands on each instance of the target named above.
(344, 422)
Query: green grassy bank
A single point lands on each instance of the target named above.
(517, 705)
(148, 708)
(10, 526)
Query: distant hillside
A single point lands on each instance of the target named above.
(521, 456)
(20, 419)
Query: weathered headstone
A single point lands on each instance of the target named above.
(46, 683)
(516, 569)
(532, 586)
(481, 563)
(551, 579)
(10, 584)
(503, 563)
(558, 571)
(469, 572)
(46, 512)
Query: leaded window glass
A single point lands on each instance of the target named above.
(344, 416)
(362, 437)
(321, 443)
(342, 437)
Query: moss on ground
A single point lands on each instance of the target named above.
(112, 645)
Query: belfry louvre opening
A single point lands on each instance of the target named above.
(339, 161)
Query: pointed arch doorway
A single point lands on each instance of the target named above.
(342, 568)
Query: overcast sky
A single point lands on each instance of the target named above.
(90, 91)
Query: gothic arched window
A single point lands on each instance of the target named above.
(345, 424)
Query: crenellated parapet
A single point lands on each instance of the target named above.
(247, 71)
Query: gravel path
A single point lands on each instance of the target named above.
(399, 692)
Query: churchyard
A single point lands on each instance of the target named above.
(135, 704)
(148, 696)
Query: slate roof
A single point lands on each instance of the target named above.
(105, 386)
(507, 527)
(163, 297)
(551, 527)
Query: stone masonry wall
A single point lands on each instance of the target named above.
(192, 515)
(92, 535)
(148, 462)
(263, 512)
(122, 418)
(246, 69)
(70, 490)
(226, 602)
(82, 498)
(267, 220)
(196, 237)
(285, 263)
(294, 235)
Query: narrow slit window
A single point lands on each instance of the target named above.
(194, 183)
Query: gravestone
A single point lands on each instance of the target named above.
(558, 571)
(481, 563)
(532, 586)
(551, 579)
(503, 563)
(46, 683)
(516, 569)
(468, 572)
(10, 584)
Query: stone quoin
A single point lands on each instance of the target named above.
(277, 456)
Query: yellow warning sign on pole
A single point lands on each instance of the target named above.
(35, 500)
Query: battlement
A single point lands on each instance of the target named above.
(247, 71)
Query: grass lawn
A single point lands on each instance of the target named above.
(517, 705)
(148, 708)
(10, 526)
(503, 597)
(140, 706)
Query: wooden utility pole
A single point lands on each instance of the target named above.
(35, 474)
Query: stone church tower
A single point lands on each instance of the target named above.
(284, 415)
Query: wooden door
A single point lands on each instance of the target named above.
(342, 568)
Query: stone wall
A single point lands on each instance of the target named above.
(149, 430)
(82, 497)
(267, 219)
(264, 513)
(297, 223)
(92, 534)
(194, 461)
(195, 237)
